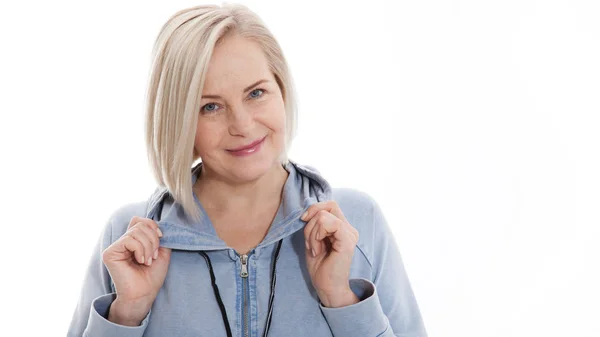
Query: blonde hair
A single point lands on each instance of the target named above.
(180, 58)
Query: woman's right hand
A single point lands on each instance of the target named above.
(138, 267)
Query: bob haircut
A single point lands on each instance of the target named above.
(180, 57)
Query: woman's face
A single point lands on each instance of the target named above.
(241, 105)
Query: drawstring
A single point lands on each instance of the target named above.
(156, 216)
(217, 295)
(272, 296)
(220, 301)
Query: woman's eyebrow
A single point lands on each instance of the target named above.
(245, 90)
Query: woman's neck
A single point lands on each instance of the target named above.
(250, 198)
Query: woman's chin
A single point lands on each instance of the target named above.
(250, 170)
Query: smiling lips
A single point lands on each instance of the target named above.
(247, 149)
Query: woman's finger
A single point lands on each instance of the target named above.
(127, 244)
(331, 206)
(152, 235)
(138, 234)
(136, 219)
(327, 225)
(308, 235)
(354, 233)
(347, 243)
(307, 231)
(317, 244)
(314, 244)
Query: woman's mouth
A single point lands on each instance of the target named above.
(247, 149)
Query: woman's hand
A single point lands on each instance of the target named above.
(137, 266)
(330, 243)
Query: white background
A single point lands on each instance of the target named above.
(474, 124)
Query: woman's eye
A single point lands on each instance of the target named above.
(256, 93)
(210, 107)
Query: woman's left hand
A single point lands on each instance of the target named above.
(330, 242)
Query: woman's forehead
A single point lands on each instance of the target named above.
(236, 70)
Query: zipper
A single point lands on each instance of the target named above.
(245, 295)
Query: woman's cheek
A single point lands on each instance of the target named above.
(278, 116)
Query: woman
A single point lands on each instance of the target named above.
(245, 242)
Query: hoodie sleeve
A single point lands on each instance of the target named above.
(395, 312)
(96, 296)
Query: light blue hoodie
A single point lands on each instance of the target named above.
(187, 304)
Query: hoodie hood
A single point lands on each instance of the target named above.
(303, 187)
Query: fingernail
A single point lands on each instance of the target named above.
(149, 261)
(313, 252)
(306, 244)
(304, 215)
(142, 259)
(156, 254)
(318, 236)
(160, 234)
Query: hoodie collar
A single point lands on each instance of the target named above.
(303, 187)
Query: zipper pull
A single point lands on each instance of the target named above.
(244, 271)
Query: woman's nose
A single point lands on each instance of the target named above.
(240, 121)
